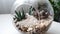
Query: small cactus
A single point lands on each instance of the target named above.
(20, 15)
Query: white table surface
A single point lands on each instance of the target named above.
(7, 27)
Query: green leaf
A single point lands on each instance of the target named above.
(30, 10)
(19, 14)
(16, 13)
(23, 14)
(58, 3)
(18, 19)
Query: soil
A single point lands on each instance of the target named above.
(31, 24)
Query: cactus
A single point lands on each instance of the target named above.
(20, 15)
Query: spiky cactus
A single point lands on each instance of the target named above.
(39, 12)
(31, 10)
(20, 15)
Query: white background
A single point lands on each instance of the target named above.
(5, 6)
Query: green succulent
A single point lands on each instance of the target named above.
(20, 15)
(30, 10)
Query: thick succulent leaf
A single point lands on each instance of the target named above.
(30, 10)
(16, 13)
(23, 14)
(19, 14)
(18, 18)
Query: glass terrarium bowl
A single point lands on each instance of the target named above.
(32, 16)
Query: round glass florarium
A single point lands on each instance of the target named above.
(32, 16)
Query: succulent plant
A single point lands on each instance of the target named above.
(31, 25)
(30, 10)
(20, 15)
(41, 12)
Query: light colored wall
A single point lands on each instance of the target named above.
(5, 6)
